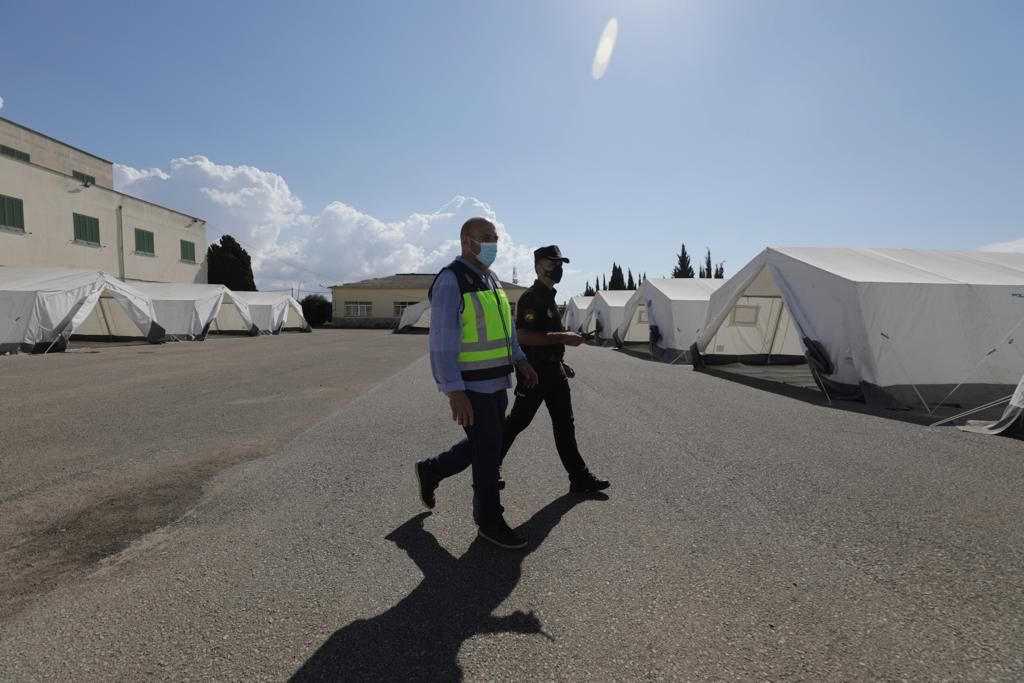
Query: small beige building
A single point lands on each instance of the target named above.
(381, 301)
(58, 207)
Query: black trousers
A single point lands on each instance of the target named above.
(553, 391)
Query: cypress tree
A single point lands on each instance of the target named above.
(683, 266)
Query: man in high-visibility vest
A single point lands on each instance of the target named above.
(473, 352)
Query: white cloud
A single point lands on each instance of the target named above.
(1016, 246)
(289, 244)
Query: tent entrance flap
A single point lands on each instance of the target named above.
(758, 330)
(108, 321)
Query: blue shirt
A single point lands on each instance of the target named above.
(446, 336)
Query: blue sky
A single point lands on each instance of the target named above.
(729, 125)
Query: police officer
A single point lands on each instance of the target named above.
(472, 353)
(543, 339)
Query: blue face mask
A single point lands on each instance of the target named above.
(488, 252)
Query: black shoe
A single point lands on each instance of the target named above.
(501, 535)
(585, 482)
(427, 482)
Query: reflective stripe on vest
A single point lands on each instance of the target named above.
(485, 350)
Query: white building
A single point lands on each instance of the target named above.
(58, 208)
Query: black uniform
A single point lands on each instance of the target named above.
(538, 311)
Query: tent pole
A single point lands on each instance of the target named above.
(972, 411)
(896, 358)
(821, 383)
(110, 335)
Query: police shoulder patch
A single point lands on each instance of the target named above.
(529, 315)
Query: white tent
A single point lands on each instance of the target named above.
(576, 312)
(607, 311)
(907, 327)
(675, 310)
(40, 308)
(270, 313)
(186, 311)
(415, 318)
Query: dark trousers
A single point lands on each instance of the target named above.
(482, 449)
(552, 391)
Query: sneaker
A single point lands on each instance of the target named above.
(585, 482)
(501, 535)
(427, 483)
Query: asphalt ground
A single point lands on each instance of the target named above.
(747, 535)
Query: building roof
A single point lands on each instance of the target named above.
(403, 281)
(52, 139)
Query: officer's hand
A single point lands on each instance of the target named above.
(462, 409)
(530, 378)
(571, 339)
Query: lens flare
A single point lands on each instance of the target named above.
(605, 46)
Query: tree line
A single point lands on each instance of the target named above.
(682, 268)
(618, 281)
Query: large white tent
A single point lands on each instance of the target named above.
(607, 312)
(576, 313)
(415, 318)
(187, 311)
(910, 328)
(675, 311)
(269, 312)
(40, 308)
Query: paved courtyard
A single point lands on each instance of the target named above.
(245, 509)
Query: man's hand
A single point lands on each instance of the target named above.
(530, 378)
(462, 409)
(571, 339)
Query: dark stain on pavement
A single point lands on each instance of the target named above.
(76, 543)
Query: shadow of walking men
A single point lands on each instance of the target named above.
(419, 638)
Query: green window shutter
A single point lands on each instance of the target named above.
(188, 251)
(144, 242)
(14, 153)
(12, 213)
(87, 229)
(85, 178)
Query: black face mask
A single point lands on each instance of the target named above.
(555, 273)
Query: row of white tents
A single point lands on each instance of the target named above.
(41, 308)
(916, 329)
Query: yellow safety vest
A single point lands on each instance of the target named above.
(485, 350)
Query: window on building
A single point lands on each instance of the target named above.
(188, 251)
(358, 309)
(12, 213)
(84, 177)
(400, 307)
(144, 242)
(14, 153)
(512, 307)
(744, 316)
(87, 229)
